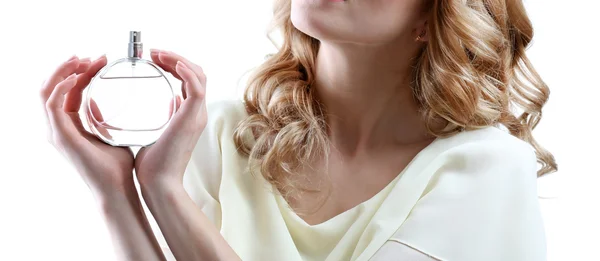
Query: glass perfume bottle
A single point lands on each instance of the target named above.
(130, 102)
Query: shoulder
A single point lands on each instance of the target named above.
(489, 136)
(482, 163)
(485, 163)
(482, 197)
(492, 149)
(226, 111)
(223, 118)
(233, 107)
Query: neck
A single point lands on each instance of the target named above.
(367, 95)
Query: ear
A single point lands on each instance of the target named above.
(421, 32)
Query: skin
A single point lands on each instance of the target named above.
(108, 171)
(362, 71)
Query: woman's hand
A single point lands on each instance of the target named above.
(104, 168)
(160, 168)
(107, 170)
(164, 162)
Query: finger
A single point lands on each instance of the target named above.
(189, 119)
(177, 105)
(97, 129)
(98, 120)
(73, 99)
(72, 65)
(54, 106)
(63, 71)
(170, 59)
(186, 120)
(96, 111)
(47, 88)
(154, 55)
(192, 86)
(84, 65)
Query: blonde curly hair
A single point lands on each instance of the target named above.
(472, 73)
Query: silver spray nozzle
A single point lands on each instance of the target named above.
(135, 44)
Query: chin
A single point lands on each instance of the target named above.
(337, 22)
(325, 20)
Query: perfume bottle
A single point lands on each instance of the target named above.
(129, 102)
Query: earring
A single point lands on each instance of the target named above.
(420, 36)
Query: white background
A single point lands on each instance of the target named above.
(47, 212)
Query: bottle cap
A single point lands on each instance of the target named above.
(135, 44)
(135, 36)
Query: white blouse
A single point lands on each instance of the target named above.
(468, 197)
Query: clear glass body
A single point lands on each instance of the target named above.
(129, 102)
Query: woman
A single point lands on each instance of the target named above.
(381, 130)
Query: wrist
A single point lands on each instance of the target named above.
(161, 192)
(119, 191)
(107, 184)
(119, 203)
(159, 184)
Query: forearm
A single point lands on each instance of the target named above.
(188, 231)
(128, 226)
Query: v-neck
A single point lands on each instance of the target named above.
(352, 227)
(285, 207)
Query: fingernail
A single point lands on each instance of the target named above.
(85, 60)
(101, 56)
(72, 58)
(154, 51)
(179, 63)
(72, 76)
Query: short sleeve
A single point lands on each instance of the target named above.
(481, 204)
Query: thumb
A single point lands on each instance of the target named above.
(177, 105)
(98, 120)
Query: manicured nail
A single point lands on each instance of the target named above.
(154, 51)
(100, 57)
(85, 60)
(72, 58)
(181, 64)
